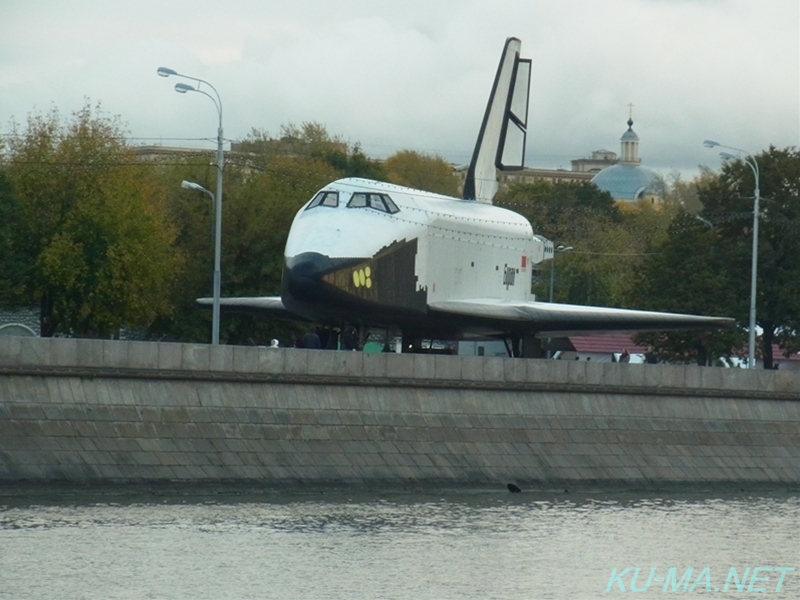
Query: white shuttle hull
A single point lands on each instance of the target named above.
(368, 253)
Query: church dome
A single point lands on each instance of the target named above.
(627, 182)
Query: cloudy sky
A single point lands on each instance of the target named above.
(416, 74)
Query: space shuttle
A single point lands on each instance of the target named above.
(371, 254)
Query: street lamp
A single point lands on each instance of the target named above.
(183, 88)
(553, 266)
(190, 185)
(750, 161)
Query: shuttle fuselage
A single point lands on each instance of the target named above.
(392, 251)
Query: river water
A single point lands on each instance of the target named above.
(225, 543)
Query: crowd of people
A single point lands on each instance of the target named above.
(323, 338)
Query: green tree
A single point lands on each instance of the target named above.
(310, 140)
(580, 216)
(728, 204)
(257, 220)
(257, 211)
(92, 231)
(267, 180)
(192, 215)
(562, 211)
(685, 195)
(421, 171)
(352, 162)
(13, 263)
(689, 273)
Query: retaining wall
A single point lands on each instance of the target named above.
(93, 410)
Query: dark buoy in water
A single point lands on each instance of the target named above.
(513, 489)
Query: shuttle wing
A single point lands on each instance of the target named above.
(268, 306)
(551, 320)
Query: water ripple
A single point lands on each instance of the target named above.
(395, 547)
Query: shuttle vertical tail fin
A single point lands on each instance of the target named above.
(501, 141)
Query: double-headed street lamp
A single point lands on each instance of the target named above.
(183, 88)
(750, 161)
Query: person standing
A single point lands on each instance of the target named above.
(311, 340)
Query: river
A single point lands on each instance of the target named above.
(236, 543)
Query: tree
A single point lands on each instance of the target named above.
(728, 203)
(192, 215)
(310, 140)
(267, 180)
(259, 213)
(352, 162)
(685, 194)
(421, 171)
(13, 263)
(92, 232)
(560, 211)
(688, 273)
(581, 216)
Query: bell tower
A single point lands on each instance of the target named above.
(629, 154)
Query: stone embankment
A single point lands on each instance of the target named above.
(94, 410)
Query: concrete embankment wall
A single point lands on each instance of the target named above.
(90, 410)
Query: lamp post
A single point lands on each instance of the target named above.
(750, 161)
(556, 250)
(183, 88)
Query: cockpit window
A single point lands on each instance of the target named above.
(357, 201)
(324, 199)
(390, 205)
(381, 202)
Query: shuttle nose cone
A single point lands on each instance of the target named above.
(308, 287)
(302, 275)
